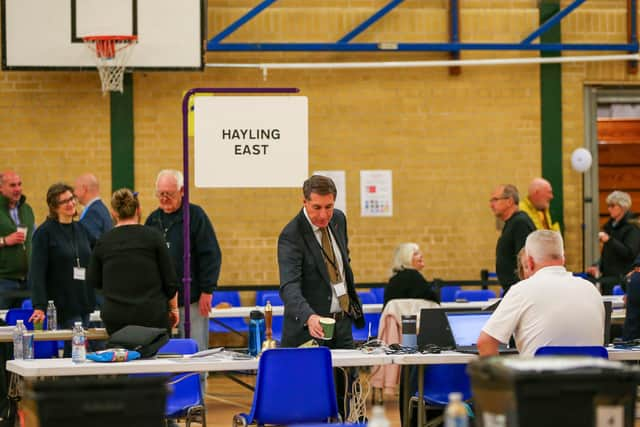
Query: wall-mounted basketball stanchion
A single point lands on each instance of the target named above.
(186, 279)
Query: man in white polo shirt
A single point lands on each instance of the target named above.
(551, 307)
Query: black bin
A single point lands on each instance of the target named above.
(97, 401)
(553, 391)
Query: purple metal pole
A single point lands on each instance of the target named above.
(186, 278)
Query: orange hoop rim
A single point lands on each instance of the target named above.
(110, 38)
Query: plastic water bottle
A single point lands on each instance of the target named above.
(78, 348)
(52, 316)
(18, 339)
(378, 418)
(455, 414)
(256, 332)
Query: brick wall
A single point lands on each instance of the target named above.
(448, 140)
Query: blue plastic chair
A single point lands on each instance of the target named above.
(27, 304)
(227, 324)
(593, 351)
(617, 290)
(274, 297)
(41, 349)
(372, 319)
(439, 381)
(448, 293)
(475, 295)
(185, 400)
(287, 391)
(379, 293)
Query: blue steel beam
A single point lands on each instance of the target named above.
(417, 47)
(549, 23)
(370, 21)
(240, 22)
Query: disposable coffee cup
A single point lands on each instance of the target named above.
(23, 230)
(328, 326)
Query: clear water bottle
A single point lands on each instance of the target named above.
(378, 418)
(455, 414)
(256, 332)
(52, 316)
(18, 339)
(78, 344)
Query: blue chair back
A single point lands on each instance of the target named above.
(367, 297)
(617, 290)
(186, 391)
(379, 293)
(41, 349)
(593, 351)
(448, 293)
(27, 303)
(288, 392)
(227, 324)
(475, 295)
(274, 297)
(440, 380)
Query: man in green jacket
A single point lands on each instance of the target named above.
(16, 229)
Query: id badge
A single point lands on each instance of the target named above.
(79, 273)
(340, 289)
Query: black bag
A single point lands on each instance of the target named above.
(147, 341)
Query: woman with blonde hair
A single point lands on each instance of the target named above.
(406, 280)
(131, 264)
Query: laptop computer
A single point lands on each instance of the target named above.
(434, 330)
(466, 328)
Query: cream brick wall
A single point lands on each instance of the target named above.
(448, 140)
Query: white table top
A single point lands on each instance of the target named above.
(6, 334)
(446, 357)
(65, 367)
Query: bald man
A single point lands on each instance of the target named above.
(15, 245)
(95, 217)
(537, 203)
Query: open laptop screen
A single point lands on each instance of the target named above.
(466, 327)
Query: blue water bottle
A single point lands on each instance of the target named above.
(256, 332)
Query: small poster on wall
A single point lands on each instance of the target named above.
(339, 180)
(376, 193)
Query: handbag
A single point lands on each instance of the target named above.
(146, 341)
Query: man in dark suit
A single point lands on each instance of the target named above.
(95, 217)
(315, 276)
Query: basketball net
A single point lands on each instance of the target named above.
(111, 54)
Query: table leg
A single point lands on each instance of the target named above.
(407, 395)
(421, 396)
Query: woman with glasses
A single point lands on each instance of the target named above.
(59, 259)
(620, 241)
(131, 264)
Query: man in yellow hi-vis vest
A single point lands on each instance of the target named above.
(536, 205)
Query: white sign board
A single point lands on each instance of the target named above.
(251, 141)
(376, 193)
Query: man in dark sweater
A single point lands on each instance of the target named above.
(517, 226)
(205, 251)
(16, 216)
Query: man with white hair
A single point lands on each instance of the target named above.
(205, 251)
(551, 307)
(537, 203)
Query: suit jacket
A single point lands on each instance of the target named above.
(96, 220)
(305, 287)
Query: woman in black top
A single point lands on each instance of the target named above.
(131, 265)
(406, 280)
(59, 258)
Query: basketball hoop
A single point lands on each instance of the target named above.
(111, 55)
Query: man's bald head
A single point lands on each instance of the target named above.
(87, 188)
(540, 193)
(11, 187)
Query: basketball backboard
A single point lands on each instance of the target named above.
(47, 34)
